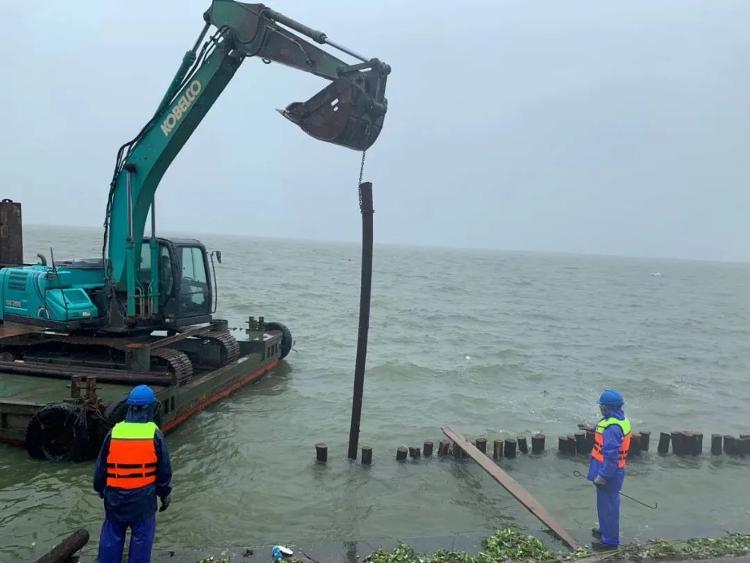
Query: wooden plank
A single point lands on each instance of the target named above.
(512, 486)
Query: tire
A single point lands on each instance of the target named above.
(286, 337)
(58, 432)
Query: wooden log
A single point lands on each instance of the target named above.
(414, 453)
(513, 487)
(497, 449)
(537, 444)
(366, 455)
(401, 453)
(444, 448)
(580, 438)
(590, 440)
(716, 446)
(645, 441)
(321, 452)
(510, 449)
(664, 439)
(635, 445)
(730, 445)
(427, 449)
(523, 445)
(481, 444)
(65, 550)
(697, 443)
(571, 445)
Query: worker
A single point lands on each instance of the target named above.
(607, 468)
(132, 470)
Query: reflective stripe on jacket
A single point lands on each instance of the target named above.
(131, 463)
(624, 425)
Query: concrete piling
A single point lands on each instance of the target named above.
(321, 452)
(523, 445)
(510, 449)
(366, 455)
(414, 453)
(444, 448)
(571, 439)
(589, 440)
(537, 444)
(401, 453)
(664, 439)
(744, 446)
(730, 445)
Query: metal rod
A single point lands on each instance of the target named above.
(656, 504)
(153, 218)
(346, 50)
(365, 205)
(201, 36)
(129, 169)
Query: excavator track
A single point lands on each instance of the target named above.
(230, 346)
(177, 362)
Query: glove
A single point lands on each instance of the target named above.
(600, 481)
(165, 502)
(101, 494)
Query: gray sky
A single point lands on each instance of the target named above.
(589, 126)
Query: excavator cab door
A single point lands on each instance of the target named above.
(348, 112)
(185, 282)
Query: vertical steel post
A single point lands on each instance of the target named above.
(130, 248)
(154, 248)
(365, 206)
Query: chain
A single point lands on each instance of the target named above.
(361, 174)
(362, 167)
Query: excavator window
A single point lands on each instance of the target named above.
(194, 290)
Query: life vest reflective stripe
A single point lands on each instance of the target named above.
(131, 462)
(597, 452)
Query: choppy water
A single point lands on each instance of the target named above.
(491, 343)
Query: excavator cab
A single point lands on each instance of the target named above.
(185, 290)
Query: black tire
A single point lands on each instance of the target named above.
(58, 432)
(286, 337)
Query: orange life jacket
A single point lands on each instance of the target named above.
(131, 463)
(597, 453)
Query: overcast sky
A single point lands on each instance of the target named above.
(588, 126)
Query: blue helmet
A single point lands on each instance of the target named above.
(611, 398)
(141, 395)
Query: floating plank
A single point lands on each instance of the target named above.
(512, 486)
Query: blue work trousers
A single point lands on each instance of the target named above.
(112, 540)
(608, 509)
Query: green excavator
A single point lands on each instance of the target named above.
(144, 283)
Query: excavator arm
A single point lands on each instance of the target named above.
(348, 112)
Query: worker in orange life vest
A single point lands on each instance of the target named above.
(133, 469)
(607, 467)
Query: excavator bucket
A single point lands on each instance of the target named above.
(348, 112)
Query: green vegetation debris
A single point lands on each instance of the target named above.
(513, 545)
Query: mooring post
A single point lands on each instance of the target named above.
(401, 453)
(580, 438)
(427, 448)
(321, 452)
(366, 455)
(635, 444)
(510, 449)
(730, 445)
(365, 206)
(645, 441)
(481, 444)
(414, 453)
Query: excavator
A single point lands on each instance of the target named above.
(148, 302)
